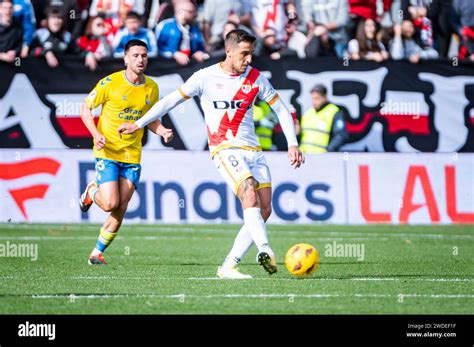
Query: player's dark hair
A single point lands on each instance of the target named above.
(320, 89)
(135, 42)
(133, 15)
(236, 36)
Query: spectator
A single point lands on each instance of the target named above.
(405, 46)
(73, 16)
(216, 15)
(165, 10)
(365, 45)
(360, 10)
(295, 39)
(268, 13)
(463, 25)
(323, 126)
(134, 30)
(439, 12)
(326, 21)
(24, 13)
(419, 10)
(11, 33)
(94, 43)
(388, 20)
(114, 12)
(180, 37)
(270, 47)
(53, 40)
(219, 50)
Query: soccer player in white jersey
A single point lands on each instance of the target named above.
(227, 91)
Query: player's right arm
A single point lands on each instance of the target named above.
(88, 120)
(189, 89)
(98, 96)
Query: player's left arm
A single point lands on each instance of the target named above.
(159, 129)
(156, 126)
(288, 126)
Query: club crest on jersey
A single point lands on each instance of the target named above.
(147, 100)
(246, 88)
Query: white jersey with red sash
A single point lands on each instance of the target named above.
(227, 101)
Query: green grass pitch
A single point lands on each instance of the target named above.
(170, 269)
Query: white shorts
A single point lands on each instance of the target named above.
(236, 165)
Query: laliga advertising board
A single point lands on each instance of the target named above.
(184, 187)
(411, 188)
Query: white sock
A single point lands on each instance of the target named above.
(256, 227)
(95, 252)
(242, 243)
(93, 193)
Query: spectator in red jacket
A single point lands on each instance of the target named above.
(94, 43)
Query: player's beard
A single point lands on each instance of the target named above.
(241, 68)
(139, 70)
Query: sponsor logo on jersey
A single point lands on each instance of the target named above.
(232, 104)
(130, 114)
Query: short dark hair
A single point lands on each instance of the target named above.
(320, 89)
(133, 15)
(54, 11)
(236, 36)
(135, 42)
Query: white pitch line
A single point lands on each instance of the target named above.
(249, 296)
(162, 237)
(363, 279)
(198, 229)
(120, 278)
(80, 238)
(365, 237)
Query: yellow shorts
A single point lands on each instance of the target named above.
(236, 165)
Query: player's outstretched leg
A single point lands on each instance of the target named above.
(265, 258)
(117, 206)
(243, 241)
(255, 224)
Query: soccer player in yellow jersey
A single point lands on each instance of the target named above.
(125, 96)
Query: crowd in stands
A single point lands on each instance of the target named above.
(186, 30)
